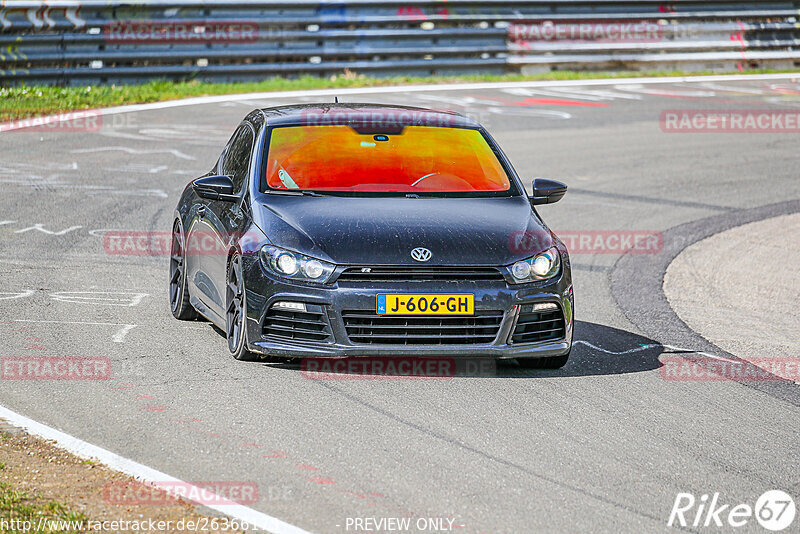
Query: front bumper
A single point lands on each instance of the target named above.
(262, 291)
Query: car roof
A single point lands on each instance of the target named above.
(364, 115)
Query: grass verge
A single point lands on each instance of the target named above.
(19, 508)
(47, 490)
(29, 101)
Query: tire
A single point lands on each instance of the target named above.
(553, 362)
(178, 295)
(236, 312)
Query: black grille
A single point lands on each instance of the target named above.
(420, 274)
(370, 328)
(538, 325)
(287, 324)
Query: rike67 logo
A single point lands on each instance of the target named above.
(774, 510)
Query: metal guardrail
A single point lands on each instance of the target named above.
(70, 42)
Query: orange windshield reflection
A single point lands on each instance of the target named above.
(420, 159)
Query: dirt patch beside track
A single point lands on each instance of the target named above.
(53, 489)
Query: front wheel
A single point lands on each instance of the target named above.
(178, 295)
(236, 312)
(553, 362)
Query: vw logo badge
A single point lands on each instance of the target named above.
(421, 254)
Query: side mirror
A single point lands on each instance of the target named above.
(215, 188)
(547, 191)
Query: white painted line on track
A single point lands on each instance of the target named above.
(176, 153)
(650, 346)
(700, 352)
(6, 295)
(39, 227)
(146, 474)
(680, 350)
(119, 336)
(629, 351)
(112, 298)
(27, 123)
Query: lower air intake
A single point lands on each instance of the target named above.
(542, 325)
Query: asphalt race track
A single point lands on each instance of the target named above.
(602, 445)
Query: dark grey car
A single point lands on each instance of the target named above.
(351, 230)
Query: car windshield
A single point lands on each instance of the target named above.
(418, 160)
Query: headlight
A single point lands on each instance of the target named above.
(313, 269)
(288, 264)
(540, 267)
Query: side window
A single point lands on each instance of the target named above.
(218, 165)
(237, 159)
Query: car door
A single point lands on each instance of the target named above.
(197, 240)
(226, 220)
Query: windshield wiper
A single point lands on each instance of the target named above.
(294, 193)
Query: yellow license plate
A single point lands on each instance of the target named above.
(404, 304)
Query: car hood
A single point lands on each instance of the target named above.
(384, 230)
